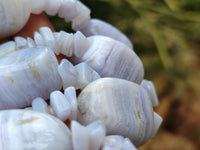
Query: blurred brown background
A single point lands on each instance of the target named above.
(166, 36)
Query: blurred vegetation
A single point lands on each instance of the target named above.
(166, 36)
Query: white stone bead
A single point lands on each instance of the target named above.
(123, 106)
(14, 14)
(32, 72)
(50, 110)
(117, 142)
(111, 58)
(70, 94)
(38, 39)
(68, 73)
(38, 104)
(52, 7)
(30, 42)
(56, 34)
(112, 142)
(31, 130)
(48, 37)
(20, 42)
(128, 145)
(78, 24)
(38, 6)
(57, 47)
(81, 44)
(83, 17)
(7, 48)
(97, 133)
(95, 75)
(64, 43)
(61, 105)
(80, 136)
(68, 10)
(157, 122)
(149, 86)
(85, 75)
(99, 27)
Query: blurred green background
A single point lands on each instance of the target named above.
(166, 36)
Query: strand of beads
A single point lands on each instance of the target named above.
(35, 72)
(70, 10)
(79, 14)
(35, 130)
(108, 57)
(125, 108)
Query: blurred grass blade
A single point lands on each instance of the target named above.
(155, 33)
(161, 47)
(172, 4)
